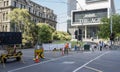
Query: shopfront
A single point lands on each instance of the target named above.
(88, 21)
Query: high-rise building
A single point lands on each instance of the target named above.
(87, 16)
(71, 5)
(38, 13)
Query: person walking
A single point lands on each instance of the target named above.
(66, 48)
(78, 47)
(100, 45)
(75, 47)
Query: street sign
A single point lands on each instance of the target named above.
(10, 38)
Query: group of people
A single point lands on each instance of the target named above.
(100, 46)
(77, 47)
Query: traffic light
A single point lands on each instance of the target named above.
(112, 36)
(76, 34)
(79, 37)
(80, 31)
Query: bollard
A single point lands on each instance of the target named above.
(37, 58)
(62, 51)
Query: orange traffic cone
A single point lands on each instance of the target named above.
(37, 59)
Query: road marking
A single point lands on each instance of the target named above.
(36, 64)
(93, 69)
(89, 62)
(87, 52)
(68, 62)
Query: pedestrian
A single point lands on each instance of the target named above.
(100, 45)
(66, 48)
(103, 44)
(78, 46)
(75, 47)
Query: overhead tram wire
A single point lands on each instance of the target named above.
(62, 2)
(64, 21)
(57, 2)
(54, 2)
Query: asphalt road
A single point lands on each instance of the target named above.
(97, 61)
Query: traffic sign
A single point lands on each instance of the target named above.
(10, 38)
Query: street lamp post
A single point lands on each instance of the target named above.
(78, 34)
(111, 26)
(111, 30)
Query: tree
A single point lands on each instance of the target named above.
(20, 18)
(21, 22)
(105, 26)
(45, 32)
(59, 35)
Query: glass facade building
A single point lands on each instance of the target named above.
(88, 15)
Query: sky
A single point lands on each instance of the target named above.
(60, 9)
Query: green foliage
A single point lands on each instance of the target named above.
(45, 32)
(31, 32)
(20, 17)
(59, 35)
(105, 26)
(21, 22)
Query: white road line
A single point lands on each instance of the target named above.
(93, 69)
(89, 62)
(36, 64)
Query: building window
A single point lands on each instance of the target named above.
(0, 28)
(33, 11)
(24, 6)
(20, 5)
(39, 14)
(39, 21)
(3, 28)
(15, 4)
(3, 16)
(29, 9)
(7, 3)
(6, 28)
(4, 3)
(35, 20)
(6, 15)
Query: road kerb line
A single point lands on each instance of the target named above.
(89, 62)
(93, 69)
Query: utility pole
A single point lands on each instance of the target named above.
(111, 27)
(78, 35)
(111, 30)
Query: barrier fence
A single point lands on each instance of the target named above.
(52, 46)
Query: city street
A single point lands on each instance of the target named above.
(97, 61)
(59, 35)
